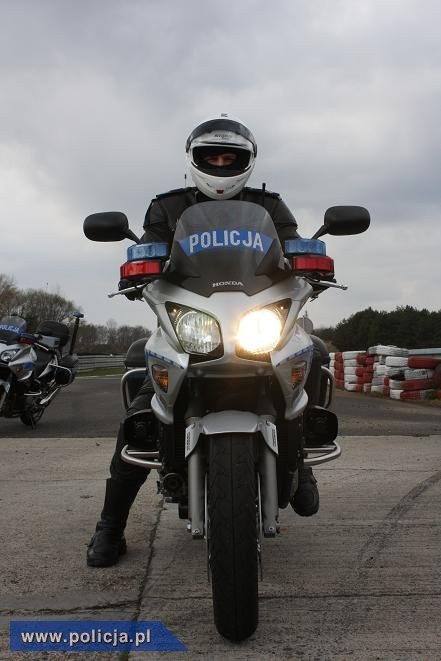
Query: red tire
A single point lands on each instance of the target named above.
(423, 361)
(417, 384)
(361, 359)
(417, 394)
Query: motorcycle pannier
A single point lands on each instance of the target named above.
(54, 329)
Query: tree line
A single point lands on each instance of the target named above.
(38, 305)
(403, 327)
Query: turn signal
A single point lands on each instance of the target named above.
(312, 263)
(160, 376)
(298, 374)
(144, 267)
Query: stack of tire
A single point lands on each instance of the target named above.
(390, 371)
(388, 361)
(337, 368)
(365, 369)
(353, 372)
(419, 378)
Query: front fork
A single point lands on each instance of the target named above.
(267, 492)
(4, 390)
(232, 422)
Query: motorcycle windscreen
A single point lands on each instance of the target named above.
(10, 328)
(226, 246)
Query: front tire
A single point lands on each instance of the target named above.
(31, 417)
(232, 495)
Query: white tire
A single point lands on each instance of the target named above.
(434, 352)
(394, 372)
(411, 374)
(351, 378)
(383, 350)
(395, 385)
(350, 362)
(396, 361)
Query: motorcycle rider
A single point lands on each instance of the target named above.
(221, 154)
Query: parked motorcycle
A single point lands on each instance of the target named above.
(229, 365)
(33, 368)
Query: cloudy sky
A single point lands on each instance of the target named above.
(343, 96)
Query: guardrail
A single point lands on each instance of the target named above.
(95, 362)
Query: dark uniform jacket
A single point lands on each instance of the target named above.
(166, 209)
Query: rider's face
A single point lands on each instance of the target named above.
(221, 160)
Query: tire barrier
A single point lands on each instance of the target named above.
(395, 372)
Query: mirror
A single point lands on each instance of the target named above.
(346, 220)
(108, 226)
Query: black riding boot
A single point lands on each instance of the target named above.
(108, 542)
(306, 501)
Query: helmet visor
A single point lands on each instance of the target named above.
(221, 125)
(221, 160)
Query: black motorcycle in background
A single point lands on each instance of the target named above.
(34, 366)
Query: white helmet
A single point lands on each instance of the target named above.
(223, 134)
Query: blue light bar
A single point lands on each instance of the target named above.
(305, 247)
(147, 251)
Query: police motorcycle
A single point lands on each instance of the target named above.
(33, 367)
(229, 363)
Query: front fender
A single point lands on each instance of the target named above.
(230, 422)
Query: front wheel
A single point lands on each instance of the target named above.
(232, 500)
(32, 416)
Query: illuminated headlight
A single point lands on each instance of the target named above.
(196, 331)
(6, 356)
(259, 331)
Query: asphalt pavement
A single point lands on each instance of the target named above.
(361, 579)
(91, 408)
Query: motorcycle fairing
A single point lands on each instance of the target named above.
(159, 352)
(10, 329)
(164, 349)
(299, 349)
(226, 246)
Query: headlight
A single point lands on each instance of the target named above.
(196, 331)
(6, 356)
(260, 330)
